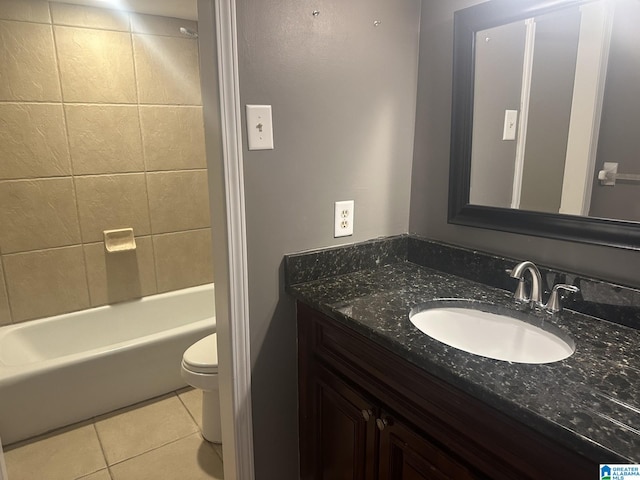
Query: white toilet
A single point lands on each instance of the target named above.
(200, 370)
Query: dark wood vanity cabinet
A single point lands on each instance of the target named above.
(355, 438)
(367, 414)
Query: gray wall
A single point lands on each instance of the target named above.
(498, 83)
(428, 215)
(343, 97)
(619, 140)
(552, 78)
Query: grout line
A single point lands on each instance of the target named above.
(145, 166)
(114, 174)
(40, 250)
(142, 143)
(71, 163)
(94, 242)
(115, 12)
(218, 449)
(29, 102)
(115, 30)
(104, 455)
(175, 440)
(92, 422)
(188, 411)
(140, 172)
(85, 27)
(188, 230)
(84, 476)
(57, 59)
(6, 287)
(183, 37)
(101, 242)
(34, 179)
(131, 408)
(99, 104)
(135, 66)
(36, 22)
(108, 174)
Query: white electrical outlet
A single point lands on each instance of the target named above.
(343, 219)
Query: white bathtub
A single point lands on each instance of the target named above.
(67, 368)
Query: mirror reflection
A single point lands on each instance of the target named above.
(556, 113)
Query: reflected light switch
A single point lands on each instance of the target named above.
(510, 124)
(259, 127)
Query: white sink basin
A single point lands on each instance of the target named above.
(492, 335)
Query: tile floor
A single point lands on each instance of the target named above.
(158, 439)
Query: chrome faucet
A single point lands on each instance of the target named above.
(535, 299)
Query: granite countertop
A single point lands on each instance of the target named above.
(589, 402)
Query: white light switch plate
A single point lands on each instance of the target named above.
(259, 127)
(510, 124)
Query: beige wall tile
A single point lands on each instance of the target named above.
(183, 259)
(25, 10)
(143, 427)
(5, 314)
(114, 277)
(61, 456)
(167, 70)
(37, 214)
(108, 202)
(178, 200)
(95, 65)
(27, 62)
(46, 282)
(175, 460)
(90, 17)
(157, 25)
(104, 138)
(173, 137)
(33, 141)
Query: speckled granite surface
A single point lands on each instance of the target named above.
(598, 298)
(589, 402)
(329, 262)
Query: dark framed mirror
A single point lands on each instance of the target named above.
(546, 100)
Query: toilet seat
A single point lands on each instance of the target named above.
(202, 356)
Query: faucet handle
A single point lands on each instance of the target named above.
(554, 304)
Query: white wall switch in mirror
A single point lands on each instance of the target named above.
(259, 127)
(510, 124)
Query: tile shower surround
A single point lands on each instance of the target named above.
(100, 128)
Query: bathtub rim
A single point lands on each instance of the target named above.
(17, 328)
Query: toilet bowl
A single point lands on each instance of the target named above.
(200, 370)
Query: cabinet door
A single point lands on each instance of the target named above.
(344, 432)
(405, 455)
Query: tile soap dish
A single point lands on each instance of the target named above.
(120, 240)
